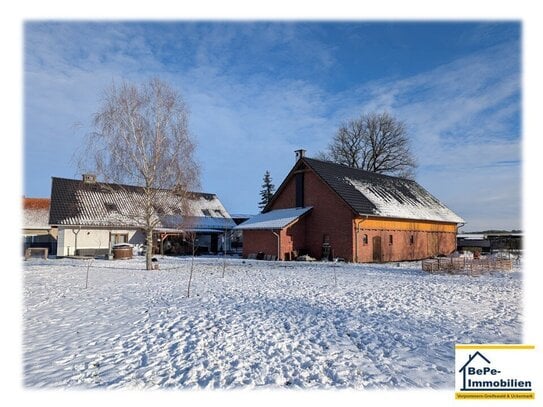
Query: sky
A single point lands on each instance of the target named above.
(258, 90)
(428, 79)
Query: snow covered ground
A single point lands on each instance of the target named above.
(264, 325)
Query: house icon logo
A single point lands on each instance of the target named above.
(492, 371)
(465, 369)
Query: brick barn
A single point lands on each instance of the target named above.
(328, 211)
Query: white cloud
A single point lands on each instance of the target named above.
(464, 121)
(250, 119)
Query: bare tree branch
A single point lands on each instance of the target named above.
(141, 138)
(373, 142)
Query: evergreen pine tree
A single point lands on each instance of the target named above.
(267, 191)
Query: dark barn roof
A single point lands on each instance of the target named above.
(369, 193)
(74, 202)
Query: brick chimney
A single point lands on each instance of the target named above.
(89, 178)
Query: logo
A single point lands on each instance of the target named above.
(494, 371)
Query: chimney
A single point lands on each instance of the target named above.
(299, 154)
(89, 179)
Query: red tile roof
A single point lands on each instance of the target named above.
(36, 203)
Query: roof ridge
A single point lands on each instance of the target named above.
(128, 185)
(372, 173)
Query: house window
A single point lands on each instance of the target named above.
(116, 238)
(365, 239)
(218, 212)
(412, 239)
(390, 239)
(206, 212)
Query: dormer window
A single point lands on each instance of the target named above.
(111, 207)
(206, 212)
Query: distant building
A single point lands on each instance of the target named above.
(490, 242)
(330, 211)
(36, 229)
(91, 217)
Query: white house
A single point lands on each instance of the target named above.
(92, 216)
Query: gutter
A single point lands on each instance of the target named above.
(456, 239)
(278, 244)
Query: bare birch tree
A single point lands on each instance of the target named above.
(191, 238)
(141, 138)
(373, 142)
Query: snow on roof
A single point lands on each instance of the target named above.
(241, 215)
(408, 202)
(471, 236)
(36, 219)
(369, 193)
(196, 223)
(36, 213)
(76, 203)
(277, 219)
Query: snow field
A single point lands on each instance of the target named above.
(264, 325)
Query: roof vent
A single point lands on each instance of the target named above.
(299, 154)
(89, 179)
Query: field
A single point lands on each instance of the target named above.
(261, 325)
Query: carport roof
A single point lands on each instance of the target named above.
(273, 220)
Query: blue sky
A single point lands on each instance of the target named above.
(257, 91)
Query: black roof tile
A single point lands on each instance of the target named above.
(74, 202)
(369, 193)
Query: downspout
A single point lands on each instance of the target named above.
(456, 237)
(74, 232)
(278, 245)
(356, 232)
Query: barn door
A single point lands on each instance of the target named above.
(377, 253)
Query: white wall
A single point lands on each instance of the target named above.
(90, 238)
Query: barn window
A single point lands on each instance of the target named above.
(300, 190)
(411, 239)
(390, 240)
(365, 239)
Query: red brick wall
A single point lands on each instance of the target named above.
(291, 238)
(330, 216)
(255, 241)
(333, 217)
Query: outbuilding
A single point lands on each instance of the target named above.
(330, 211)
(37, 233)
